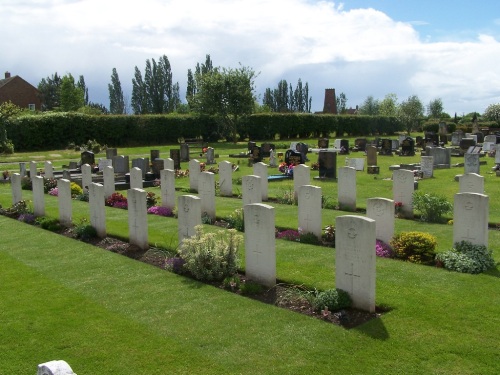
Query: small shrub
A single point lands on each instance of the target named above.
(211, 256)
(84, 197)
(467, 258)
(232, 283)
(236, 220)
(175, 264)
(286, 196)
(250, 287)
(48, 223)
(17, 209)
(206, 219)
(27, 218)
(26, 183)
(329, 233)
(328, 203)
(431, 206)
(151, 199)
(289, 234)
(383, 250)
(75, 189)
(332, 299)
(415, 247)
(84, 231)
(160, 211)
(309, 238)
(49, 184)
(117, 200)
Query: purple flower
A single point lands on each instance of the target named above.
(122, 205)
(175, 264)
(289, 234)
(27, 218)
(160, 211)
(54, 192)
(383, 250)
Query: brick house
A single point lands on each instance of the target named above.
(19, 92)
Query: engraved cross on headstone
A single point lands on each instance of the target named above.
(352, 276)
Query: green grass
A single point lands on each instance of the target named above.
(104, 313)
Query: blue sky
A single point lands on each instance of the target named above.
(433, 49)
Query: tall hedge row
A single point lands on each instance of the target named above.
(52, 131)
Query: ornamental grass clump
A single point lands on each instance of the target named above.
(431, 206)
(211, 256)
(466, 257)
(415, 247)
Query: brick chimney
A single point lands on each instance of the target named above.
(330, 105)
(7, 75)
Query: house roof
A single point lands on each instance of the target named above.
(4, 81)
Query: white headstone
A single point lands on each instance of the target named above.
(382, 211)
(310, 210)
(347, 188)
(22, 169)
(260, 244)
(301, 177)
(497, 153)
(206, 191)
(471, 183)
(272, 159)
(167, 187)
(194, 174)
(355, 259)
(336, 144)
(456, 137)
(33, 170)
(108, 175)
(470, 218)
(260, 169)
(403, 186)
(136, 178)
(97, 209)
(64, 201)
(490, 138)
(138, 218)
(49, 170)
(54, 368)
(252, 190)
(488, 146)
(471, 163)
(427, 166)
(189, 215)
(38, 196)
(169, 164)
(226, 178)
(86, 176)
(357, 163)
(15, 184)
(103, 163)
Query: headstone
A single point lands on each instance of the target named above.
(87, 157)
(157, 166)
(97, 209)
(479, 137)
(323, 143)
(38, 196)
(470, 218)
(443, 128)
(49, 170)
(54, 368)
(226, 178)
(142, 164)
(442, 156)
(184, 152)
(108, 176)
(138, 218)
(471, 183)
(488, 146)
(336, 144)
(256, 154)
(344, 146)
(73, 165)
(301, 177)
(260, 169)
(194, 174)
(272, 159)
(394, 144)
(103, 163)
(251, 145)
(136, 181)
(456, 137)
(22, 169)
(294, 157)
(490, 138)
(386, 147)
(360, 144)
(403, 186)
(260, 244)
(443, 139)
(206, 190)
(66, 174)
(471, 163)
(111, 153)
(408, 147)
(189, 215)
(465, 143)
(309, 202)
(432, 139)
(154, 154)
(371, 155)
(382, 211)
(252, 189)
(86, 176)
(266, 148)
(427, 166)
(347, 189)
(420, 142)
(169, 164)
(33, 169)
(357, 163)
(497, 154)
(15, 184)
(210, 155)
(121, 164)
(167, 187)
(327, 161)
(64, 202)
(175, 155)
(401, 138)
(355, 259)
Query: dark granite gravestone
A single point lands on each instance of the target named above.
(266, 148)
(419, 140)
(408, 147)
(360, 144)
(344, 146)
(443, 139)
(251, 145)
(431, 137)
(479, 136)
(183, 153)
(155, 154)
(157, 165)
(111, 153)
(327, 161)
(256, 154)
(87, 158)
(386, 147)
(323, 143)
(465, 143)
(294, 157)
(175, 155)
(303, 149)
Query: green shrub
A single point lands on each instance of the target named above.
(250, 287)
(431, 206)
(84, 231)
(75, 189)
(333, 299)
(26, 183)
(286, 196)
(236, 220)
(48, 223)
(17, 209)
(467, 258)
(415, 247)
(211, 256)
(309, 238)
(49, 184)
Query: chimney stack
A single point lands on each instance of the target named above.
(7, 75)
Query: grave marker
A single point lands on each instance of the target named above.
(207, 194)
(471, 163)
(15, 184)
(86, 176)
(136, 178)
(64, 202)
(327, 161)
(309, 203)
(38, 196)
(121, 164)
(252, 189)
(138, 218)
(22, 169)
(347, 189)
(189, 216)
(260, 169)
(403, 187)
(183, 153)
(427, 166)
(301, 177)
(471, 183)
(175, 155)
(48, 170)
(108, 176)
(167, 186)
(97, 209)
(382, 211)
(194, 174)
(226, 178)
(470, 218)
(371, 155)
(33, 170)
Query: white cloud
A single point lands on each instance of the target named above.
(360, 52)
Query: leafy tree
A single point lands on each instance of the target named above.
(388, 106)
(226, 93)
(200, 70)
(410, 111)
(49, 91)
(139, 94)
(71, 96)
(94, 109)
(116, 100)
(435, 108)
(81, 84)
(341, 103)
(492, 112)
(369, 107)
(7, 109)
(285, 98)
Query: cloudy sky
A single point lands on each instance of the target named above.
(448, 49)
